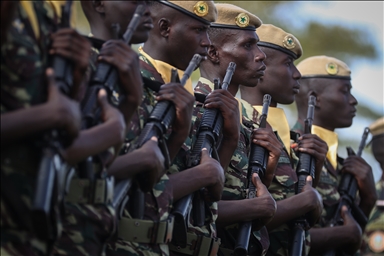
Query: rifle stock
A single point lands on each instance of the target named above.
(207, 136)
(47, 195)
(257, 163)
(348, 189)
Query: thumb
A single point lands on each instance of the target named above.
(204, 155)
(258, 184)
(102, 99)
(309, 180)
(344, 212)
(154, 138)
(50, 77)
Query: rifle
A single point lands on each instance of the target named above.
(305, 168)
(159, 120)
(43, 213)
(348, 189)
(106, 77)
(207, 136)
(257, 163)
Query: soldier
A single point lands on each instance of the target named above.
(233, 39)
(29, 107)
(374, 231)
(91, 216)
(328, 79)
(281, 82)
(176, 26)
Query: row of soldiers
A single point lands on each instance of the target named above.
(93, 153)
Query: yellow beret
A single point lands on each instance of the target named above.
(233, 17)
(276, 38)
(377, 127)
(324, 67)
(204, 11)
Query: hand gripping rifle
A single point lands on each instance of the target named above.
(207, 136)
(348, 189)
(159, 120)
(48, 184)
(305, 168)
(106, 77)
(257, 163)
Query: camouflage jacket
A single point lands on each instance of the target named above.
(24, 59)
(236, 178)
(158, 202)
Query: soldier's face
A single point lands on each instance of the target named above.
(186, 38)
(240, 46)
(281, 77)
(336, 106)
(121, 12)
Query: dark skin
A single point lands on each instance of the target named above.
(174, 39)
(335, 108)
(280, 67)
(240, 46)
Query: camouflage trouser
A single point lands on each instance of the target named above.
(86, 229)
(17, 242)
(281, 241)
(124, 248)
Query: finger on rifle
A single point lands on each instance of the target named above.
(309, 180)
(102, 97)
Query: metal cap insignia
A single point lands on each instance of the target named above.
(332, 68)
(242, 20)
(289, 42)
(201, 9)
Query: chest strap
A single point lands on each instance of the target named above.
(82, 191)
(146, 231)
(198, 245)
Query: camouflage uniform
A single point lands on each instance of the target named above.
(24, 59)
(158, 201)
(87, 225)
(375, 224)
(236, 180)
(282, 187)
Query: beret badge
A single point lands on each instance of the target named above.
(201, 9)
(332, 68)
(288, 42)
(242, 20)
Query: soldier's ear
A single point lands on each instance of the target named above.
(99, 6)
(213, 54)
(164, 27)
